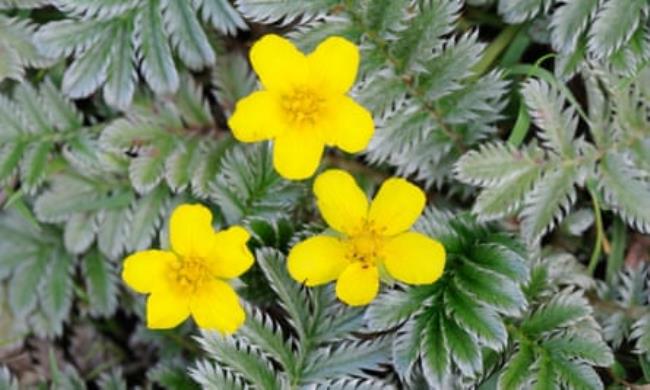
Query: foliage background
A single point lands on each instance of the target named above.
(527, 122)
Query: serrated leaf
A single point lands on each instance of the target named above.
(22, 300)
(158, 66)
(546, 108)
(350, 357)
(111, 234)
(148, 169)
(79, 232)
(436, 357)
(56, 293)
(517, 11)
(89, 71)
(577, 376)
(145, 218)
(562, 310)
(240, 358)
(592, 350)
(222, 15)
(549, 201)
(492, 289)
(120, 83)
(101, 281)
(464, 349)
(625, 190)
(484, 324)
(569, 21)
(187, 36)
(614, 24)
(33, 167)
(517, 369)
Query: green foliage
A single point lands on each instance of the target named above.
(132, 34)
(539, 180)
(612, 31)
(112, 112)
(319, 348)
(446, 329)
(29, 134)
(557, 343)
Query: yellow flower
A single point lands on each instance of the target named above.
(303, 104)
(373, 237)
(191, 277)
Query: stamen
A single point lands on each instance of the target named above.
(302, 106)
(189, 274)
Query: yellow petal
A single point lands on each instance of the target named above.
(351, 126)
(296, 154)
(334, 65)
(216, 306)
(358, 285)
(257, 117)
(166, 309)
(147, 271)
(317, 260)
(396, 207)
(190, 231)
(233, 257)
(278, 63)
(341, 202)
(414, 258)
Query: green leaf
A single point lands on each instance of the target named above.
(577, 376)
(148, 169)
(436, 357)
(292, 298)
(614, 25)
(111, 234)
(463, 347)
(157, 62)
(350, 357)
(500, 259)
(562, 310)
(492, 289)
(517, 11)
(393, 307)
(569, 21)
(79, 232)
(215, 377)
(588, 348)
(424, 31)
(626, 191)
(187, 36)
(120, 83)
(517, 369)
(261, 330)
(56, 293)
(22, 300)
(494, 164)
(241, 358)
(549, 201)
(33, 167)
(222, 15)
(546, 108)
(484, 324)
(89, 71)
(101, 281)
(382, 16)
(145, 218)
(546, 377)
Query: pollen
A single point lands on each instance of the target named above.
(365, 247)
(303, 106)
(189, 274)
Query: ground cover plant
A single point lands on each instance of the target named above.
(324, 194)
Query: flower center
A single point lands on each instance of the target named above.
(302, 106)
(189, 274)
(364, 247)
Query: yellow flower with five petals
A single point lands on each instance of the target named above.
(372, 238)
(303, 105)
(191, 278)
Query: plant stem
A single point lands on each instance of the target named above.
(600, 234)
